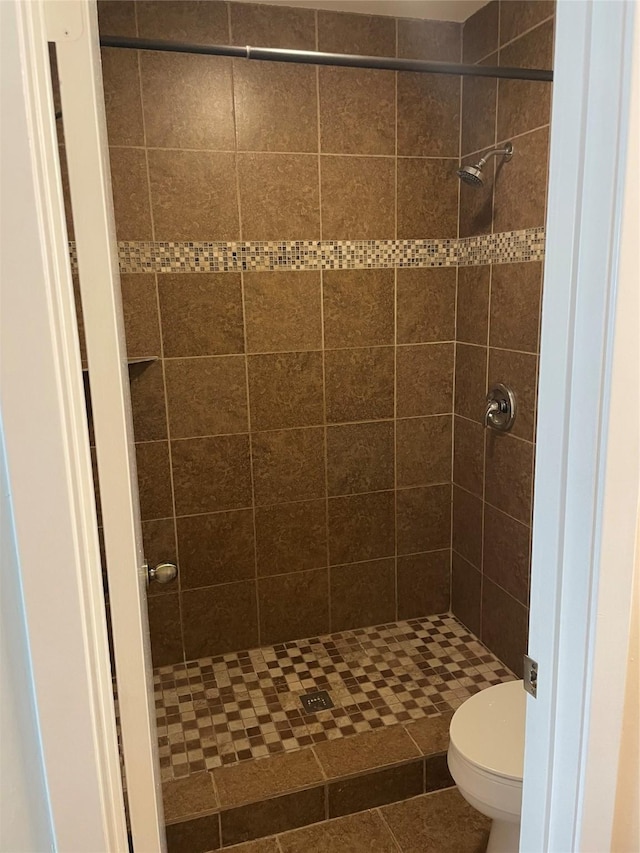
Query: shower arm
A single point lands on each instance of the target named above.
(507, 152)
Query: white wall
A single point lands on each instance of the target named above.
(24, 804)
(626, 826)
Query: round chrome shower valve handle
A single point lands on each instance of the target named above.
(162, 573)
(500, 412)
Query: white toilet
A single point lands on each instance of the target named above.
(486, 756)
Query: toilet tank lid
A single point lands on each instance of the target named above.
(488, 729)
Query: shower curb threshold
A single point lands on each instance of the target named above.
(270, 795)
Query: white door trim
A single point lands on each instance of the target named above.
(74, 28)
(585, 502)
(48, 460)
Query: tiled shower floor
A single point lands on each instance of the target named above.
(246, 705)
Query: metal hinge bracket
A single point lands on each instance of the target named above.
(531, 676)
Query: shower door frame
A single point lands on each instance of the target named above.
(551, 778)
(73, 27)
(62, 646)
(587, 476)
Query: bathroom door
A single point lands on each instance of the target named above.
(74, 28)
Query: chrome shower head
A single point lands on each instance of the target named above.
(473, 176)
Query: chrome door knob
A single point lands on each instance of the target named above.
(162, 573)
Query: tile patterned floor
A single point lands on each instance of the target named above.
(246, 705)
(441, 821)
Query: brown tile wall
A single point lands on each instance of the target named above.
(498, 325)
(294, 439)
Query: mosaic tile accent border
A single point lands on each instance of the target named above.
(507, 247)
(175, 257)
(246, 705)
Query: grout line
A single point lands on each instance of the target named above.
(535, 433)
(245, 342)
(229, 26)
(309, 427)
(486, 437)
(432, 485)
(498, 142)
(494, 582)
(325, 778)
(499, 349)
(506, 435)
(354, 633)
(453, 439)
(395, 444)
(485, 441)
(346, 349)
(469, 563)
(250, 430)
(395, 343)
(312, 569)
(315, 266)
(389, 345)
(301, 501)
(323, 349)
(525, 33)
(455, 335)
(440, 241)
(216, 793)
(496, 94)
(284, 153)
(380, 814)
(251, 467)
(493, 506)
(407, 726)
(395, 453)
(495, 136)
(511, 41)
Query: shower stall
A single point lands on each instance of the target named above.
(332, 350)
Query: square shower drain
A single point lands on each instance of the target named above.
(319, 700)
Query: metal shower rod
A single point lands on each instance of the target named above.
(313, 57)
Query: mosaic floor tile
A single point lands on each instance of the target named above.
(246, 705)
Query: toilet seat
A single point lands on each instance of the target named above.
(487, 732)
